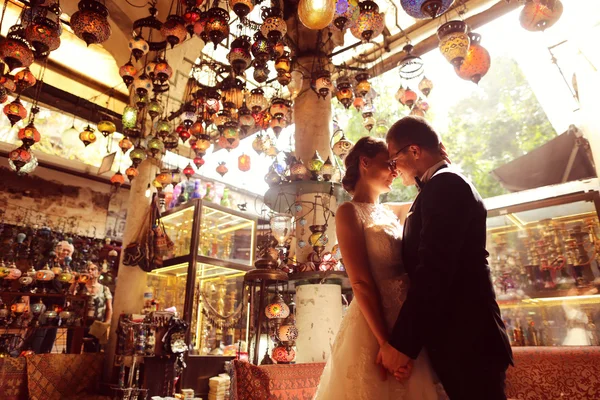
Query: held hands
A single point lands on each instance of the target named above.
(398, 364)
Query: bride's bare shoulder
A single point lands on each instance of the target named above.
(400, 209)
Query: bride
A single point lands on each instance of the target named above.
(369, 236)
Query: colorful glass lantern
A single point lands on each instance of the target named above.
(125, 144)
(203, 143)
(323, 84)
(173, 30)
(197, 129)
(417, 112)
(199, 26)
(257, 101)
(131, 173)
(538, 15)
(426, 85)
(87, 136)
(454, 41)
(189, 171)
(117, 179)
(284, 63)
(3, 95)
(327, 169)
(217, 25)
(137, 155)
(316, 162)
(422, 9)
(198, 161)
(358, 103)
(283, 354)
(277, 309)
(244, 163)
(129, 117)
(171, 141)
(221, 119)
(369, 123)
(90, 23)
(43, 36)
(411, 66)
(142, 84)
(316, 14)
(239, 54)
(346, 11)
(272, 178)
(154, 109)
(319, 237)
(279, 107)
(277, 50)
(241, 8)
(261, 73)
(16, 53)
(163, 71)
(106, 127)
(164, 177)
(8, 83)
(222, 168)
(362, 86)
(245, 118)
(284, 78)
(24, 79)
(342, 147)
(273, 27)
(192, 15)
(298, 171)
(400, 93)
(29, 135)
(370, 22)
(231, 132)
(138, 47)
(277, 124)
(258, 144)
(233, 94)
(20, 157)
(261, 48)
(408, 98)
(149, 69)
(163, 127)
(140, 101)
(156, 147)
(128, 73)
(271, 150)
(288, 332)
(15, 111)
(344, 92)
(477, 62)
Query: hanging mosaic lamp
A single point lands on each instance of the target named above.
(191, 16)
(132, 173)
(239, 56)
(171, 141)
(164, 177)
(244, 163)
(197, 130)
(163, 128)
(362, 84)
(283, 354)
(173, 30)
(24, 79)
(279, 107)
(90, 23)
(327, 170)
(163, 71)
(138, 47)
(538, 15)
(400, 93)
(140, 101)
(129, 117)
(125, 144)
(43, 34)
(19, 157)
(316, 14)
(198, 161)
(284, 78)
(203, 143)
(117, 179)
(358, 103)
(137, 155)
(277, 309)
(344, 92)
(241, 8)
(477, 62)
(369, 123)
(417, 112)
(87, 136)
(8, 83)
(454, 41)
(189, 171)
(106, 127)
(128, 73)
(184, 135)
(315, 164)
(142, 84)
(272, 178)
(346, 12)
(408, 98)
(342, 147)
(217, 25)
(261, 48)
(233, 93)
(222, 168)
(156, 147)
(245, 118)
(29, 135)
(273, 27)
(258, 144)
(15, 111)
(257, 101)
(426, 85)
(422, 9)
(15, 50)
(283, 64)
(411, 66)
(261, 73)
(154, 108)
(323, 84)
(370, 22)
(3, 95)
(277, 124)
(230, 132)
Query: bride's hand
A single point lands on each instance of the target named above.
(444, 153)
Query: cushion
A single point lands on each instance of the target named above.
(543, 373)
(58, 376)
(13, 378)
(275, 382)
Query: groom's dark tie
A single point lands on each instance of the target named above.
(419, 183)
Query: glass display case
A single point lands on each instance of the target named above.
(544, 258)
(214, 248)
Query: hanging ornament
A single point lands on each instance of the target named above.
(327, 170)
(125, 144)
(24, 79)
(43, 33)
(138, 47)
(87, 136)
(106, 127)
(417, 112)
(358, 103)
(323, 83)
(241, 8)
(279, 107)
(222, 168)
(261, 49)
(163, 127)
(154, 109)
(15, 50)
(257, 101)
(426, 85)
(129, 117)
(244, 163)
(156, 147)
(408, 98)
(232, 93)
(173, 30)
(29, 135)
(117, 180)
(128, 73)
(171, 141)
(316, 14)
(15, 111)
(344, 92)
(422, 9)
(184, 135)
(277, 309)
(142, 84)
(273, 27)
(411, 66)
(163, 71)
(315, 164)
(258, 144)
(90, 23)
(272, 178)
(217, 25)
(362, 86)
(370, 22)
(369, 123)
(277, 124)
(8, 83)
(454, 41)
(538, 15)
(131, 173)
(400, 93)
(283, 63)
(19, 157)
(245, 119)
(189, 171)
(198, 161)
(137, 155)
(342, 147)
(239, 54)
(346, 12)
(477, 62)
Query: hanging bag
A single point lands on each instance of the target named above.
(136, 253)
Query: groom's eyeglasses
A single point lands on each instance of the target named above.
(392, 162)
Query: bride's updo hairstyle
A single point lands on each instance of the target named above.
(366, 146)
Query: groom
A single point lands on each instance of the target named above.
(450, 310)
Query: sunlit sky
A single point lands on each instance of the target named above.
(502, 37)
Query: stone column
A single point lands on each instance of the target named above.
(131, 281)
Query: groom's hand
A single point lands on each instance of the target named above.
(398, 364)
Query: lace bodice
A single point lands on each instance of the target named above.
(383, 236)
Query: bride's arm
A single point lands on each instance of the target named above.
(400, 209)
(354, 252)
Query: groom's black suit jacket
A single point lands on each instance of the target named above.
(451, 307)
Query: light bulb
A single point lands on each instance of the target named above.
(148, 191)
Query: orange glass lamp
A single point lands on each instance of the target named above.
(244, 163)
(87, 136)
(316, 14)
(477, 62)
(538, 15)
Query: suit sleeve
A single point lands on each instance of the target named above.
(446, 212)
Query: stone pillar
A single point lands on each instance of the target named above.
(131, 281)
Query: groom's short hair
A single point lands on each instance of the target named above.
(413, 130)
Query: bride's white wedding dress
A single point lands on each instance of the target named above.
(350, 372)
